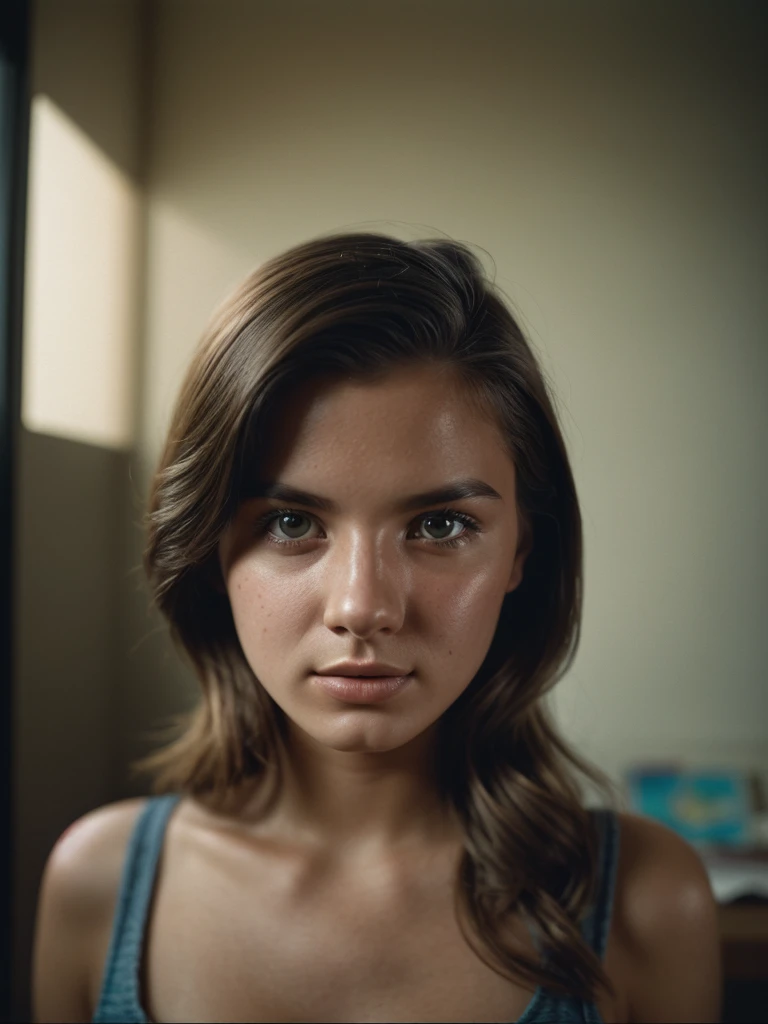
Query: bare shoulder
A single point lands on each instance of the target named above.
(666, 919)
(90, 847)
(76, 903)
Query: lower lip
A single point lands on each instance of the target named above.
(362, 689)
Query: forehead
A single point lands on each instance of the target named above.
(414, 426)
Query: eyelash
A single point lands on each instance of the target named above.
(472, 525)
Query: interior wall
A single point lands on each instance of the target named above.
(72, 494)
(610, 158)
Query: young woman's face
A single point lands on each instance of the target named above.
(363, 579)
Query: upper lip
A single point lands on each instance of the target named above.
(362, 668)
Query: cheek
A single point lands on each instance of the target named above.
(465, 614)
(263, 609)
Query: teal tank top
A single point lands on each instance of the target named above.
(120, 1000)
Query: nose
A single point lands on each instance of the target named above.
(365, 589)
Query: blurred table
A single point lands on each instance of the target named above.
(744, 936)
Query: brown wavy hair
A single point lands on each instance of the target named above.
(359, 305)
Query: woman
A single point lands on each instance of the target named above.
(364, 533)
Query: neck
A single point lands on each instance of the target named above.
(361, 802)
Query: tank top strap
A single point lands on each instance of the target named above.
(597, 924)
(120, 997)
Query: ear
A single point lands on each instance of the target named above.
(524, 547)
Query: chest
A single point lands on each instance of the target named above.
(333, 957)
(271, 939)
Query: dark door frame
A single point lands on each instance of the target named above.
(14, 147)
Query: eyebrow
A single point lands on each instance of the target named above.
(457, 490)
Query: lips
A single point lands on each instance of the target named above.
(362, 689)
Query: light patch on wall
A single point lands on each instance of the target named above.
(78, 360)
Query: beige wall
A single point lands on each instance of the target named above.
(610, 158)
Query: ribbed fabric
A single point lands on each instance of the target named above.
(120, 999)
(119, 1002)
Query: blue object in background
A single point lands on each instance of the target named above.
(702, 806)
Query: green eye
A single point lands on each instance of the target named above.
(289, 515)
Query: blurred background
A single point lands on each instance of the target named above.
(609, 158)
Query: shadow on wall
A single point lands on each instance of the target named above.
(71, 508)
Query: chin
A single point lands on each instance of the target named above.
(365, 732)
